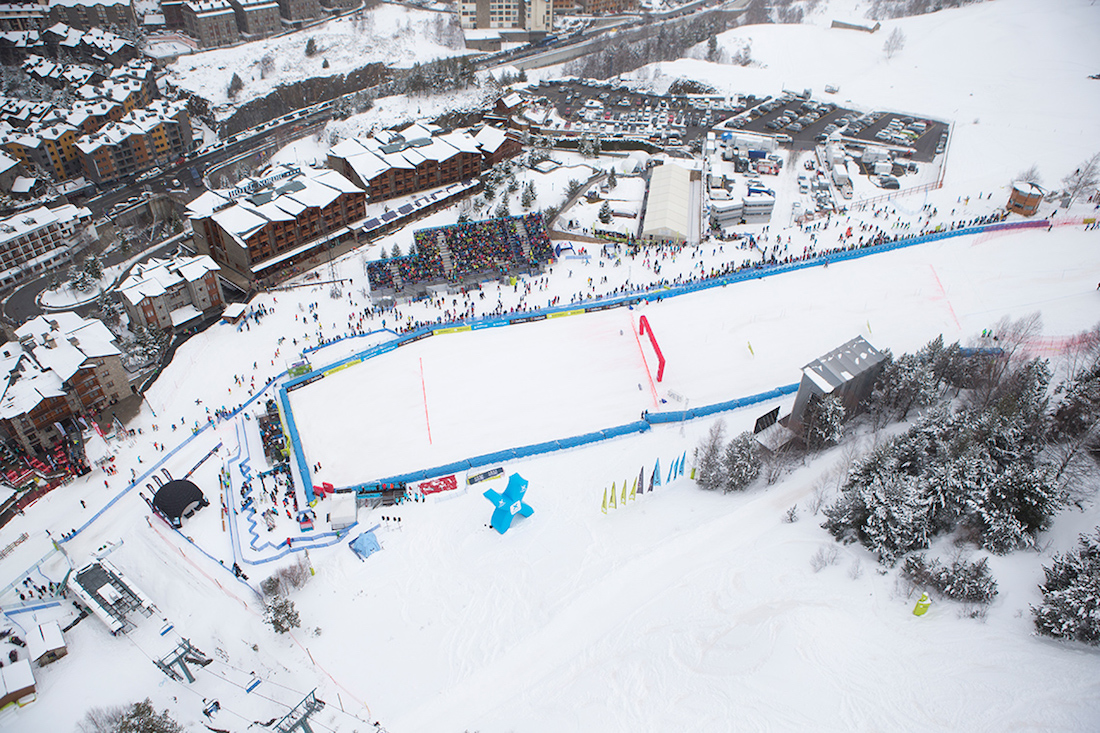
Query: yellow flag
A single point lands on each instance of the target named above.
(624, 492)
(613, 488)
(634, 489)
(603, 508)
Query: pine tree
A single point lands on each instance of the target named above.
(1013, 508)
(396, 252)
(612, 180)
(502, 211)
(824, 422)
(709, 455)
(281, 614)
(93, 266)
(742, 462)
(605, 213)
(1071, 594)
(311, 47)
(897, 518)
(527, 199)
(235, 86)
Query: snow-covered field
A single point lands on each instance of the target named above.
(391, 34)
(684, 610)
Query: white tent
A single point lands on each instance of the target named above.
(667, 211)
(342, 510)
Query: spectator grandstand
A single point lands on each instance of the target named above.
(458, 252)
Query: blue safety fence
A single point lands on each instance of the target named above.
(704, 410)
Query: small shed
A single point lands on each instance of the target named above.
(848, 372)
(1025, 198)
(16, 682)
(46, 644)
(233, 312)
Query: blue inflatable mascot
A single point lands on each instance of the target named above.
(509, 504)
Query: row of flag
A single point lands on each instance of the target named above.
(639, 486)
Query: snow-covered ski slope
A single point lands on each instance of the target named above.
(460, 395)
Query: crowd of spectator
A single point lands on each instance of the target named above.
(489, 248)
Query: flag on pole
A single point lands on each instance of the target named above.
(603, 508)
(634, 490)
(641, 479)
(655, 479)
(614, 502)
(624, 492)
(683, 462)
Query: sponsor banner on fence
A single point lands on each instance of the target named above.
(437, 485)
(492, 473)
(528, 319)
(304, 382)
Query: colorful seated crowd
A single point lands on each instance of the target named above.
(481, 247)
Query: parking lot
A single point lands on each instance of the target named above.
(611, 110)
(927, 137)
(809, 122)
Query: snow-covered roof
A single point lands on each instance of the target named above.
(280, 194)
(843, 364)
(17, 676)
(157, 276)
(62, 342)
(1027, 188)
(490, 138)
(44, 639)
(138, 122)
(87, 3)
(25, 222)
(511, 100)
(185, 314)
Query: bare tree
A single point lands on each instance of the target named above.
(1086, 177)
(894, 43)
(1031, 175)
(1013, 338)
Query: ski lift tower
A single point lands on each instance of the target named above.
(298, 718)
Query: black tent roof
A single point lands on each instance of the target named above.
(173, 499)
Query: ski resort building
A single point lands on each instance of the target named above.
(112, 597)
(849, 372)
(283, 217)
(173, 293)
(88, 14)
(62, 365)
(32, 242)
(390, 164)
(212, 23)
(153, 135)
(1025, 198)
